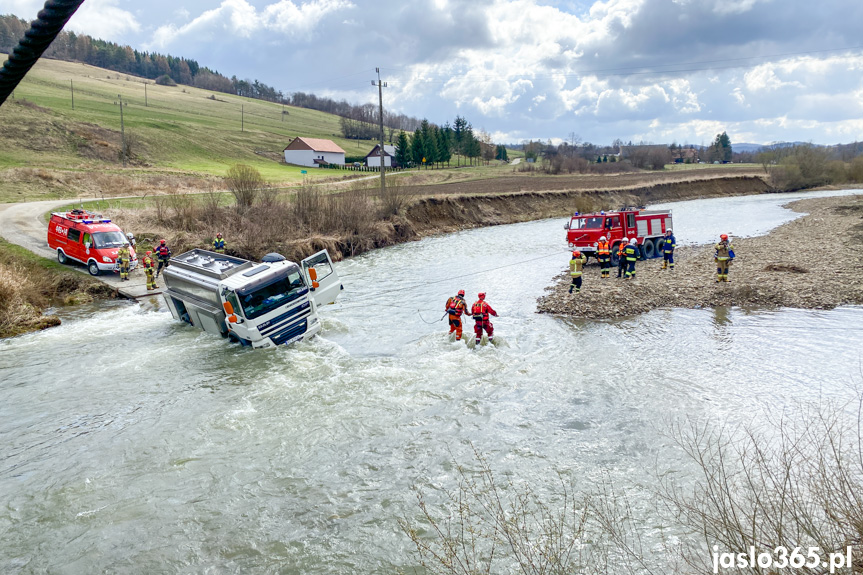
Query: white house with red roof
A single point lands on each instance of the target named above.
(313, 152)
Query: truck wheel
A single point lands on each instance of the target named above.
(93, 268)
(61, 257)
(647, 248)
(659, 243)
(615, 261)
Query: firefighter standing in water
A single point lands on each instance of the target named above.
(480, 312)
(163, 254)
(621, 256)
(668, 249)
(723, 257)
(148, 269)
(603, 254)
(575, 270)
(124, 260)
(632, 253)
(219, 244)
(455, 306)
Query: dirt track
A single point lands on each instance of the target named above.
(794, 266)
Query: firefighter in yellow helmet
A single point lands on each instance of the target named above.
(576, 263)
(124, 260)
(150, 270)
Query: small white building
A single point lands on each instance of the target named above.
(313, 152)
(373, 158)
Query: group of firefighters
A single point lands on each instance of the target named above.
(162, 255)
(628, 253)
(480, 311)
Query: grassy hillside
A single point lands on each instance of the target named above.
(181, 132)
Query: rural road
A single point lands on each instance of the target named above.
(22, 224)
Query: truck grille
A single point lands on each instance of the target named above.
(291, 332)
(279, 321)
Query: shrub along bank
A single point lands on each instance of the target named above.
(29, 284)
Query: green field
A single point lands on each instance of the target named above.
(178, 131)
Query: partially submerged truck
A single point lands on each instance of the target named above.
(274, 302)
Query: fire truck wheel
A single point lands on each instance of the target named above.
(647, 249)
(61, 257)
(659, 243)
(93, 268)
(615, 261)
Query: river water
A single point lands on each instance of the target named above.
(131, 443)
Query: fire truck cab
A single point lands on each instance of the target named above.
(88, 238)
(647, 226)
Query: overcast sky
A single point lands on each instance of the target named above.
(652, 70)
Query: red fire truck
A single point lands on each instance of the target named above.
(647, 226)
(87, 238)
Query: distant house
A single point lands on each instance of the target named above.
(313, 152)
(373, 158)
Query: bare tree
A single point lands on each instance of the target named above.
(244, 182)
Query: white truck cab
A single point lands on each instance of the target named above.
(264, 304)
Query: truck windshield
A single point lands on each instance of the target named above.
(108, 239)
(273, 295)
(582, 223)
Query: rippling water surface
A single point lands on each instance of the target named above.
(132, 444)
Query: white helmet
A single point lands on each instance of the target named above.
(625, 239)
(668, 231)
(130, 235)
(602, 238)
(633, 241)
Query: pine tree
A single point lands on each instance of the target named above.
(403, 152)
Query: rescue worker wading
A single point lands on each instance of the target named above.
(163, 254)
(575, 270)
(632, 253)
(149, 269)
(219, 244)
(668, 250)
(124, 260)
(724, 256)
(480, 312)
(621, 256)
(603, 254)
(455, 306)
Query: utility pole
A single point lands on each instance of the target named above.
(72, 89)
(145, 94)
(242, 118)
(381, 86)
(122, 130)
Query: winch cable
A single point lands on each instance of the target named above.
(36, 40)
(355, 302)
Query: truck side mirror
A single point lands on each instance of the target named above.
(232, 319)
(566, 226)
(229, 309)
(313, 275)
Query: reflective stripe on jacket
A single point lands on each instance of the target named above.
(669, 244)
(632, 252)
(602, 249)
(575, 265)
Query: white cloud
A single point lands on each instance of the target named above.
(103, 19)
(239, 19)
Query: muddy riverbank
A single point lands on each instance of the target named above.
(797, 265)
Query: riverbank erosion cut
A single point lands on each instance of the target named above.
(801, 264)
(442, 214)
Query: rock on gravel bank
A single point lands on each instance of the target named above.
(813, 262)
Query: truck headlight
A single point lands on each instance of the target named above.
(107, 260)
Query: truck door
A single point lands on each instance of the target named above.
(329, 284)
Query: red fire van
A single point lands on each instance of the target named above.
(87, 238)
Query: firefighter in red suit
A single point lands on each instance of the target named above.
(455, 306)
(480, 312)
